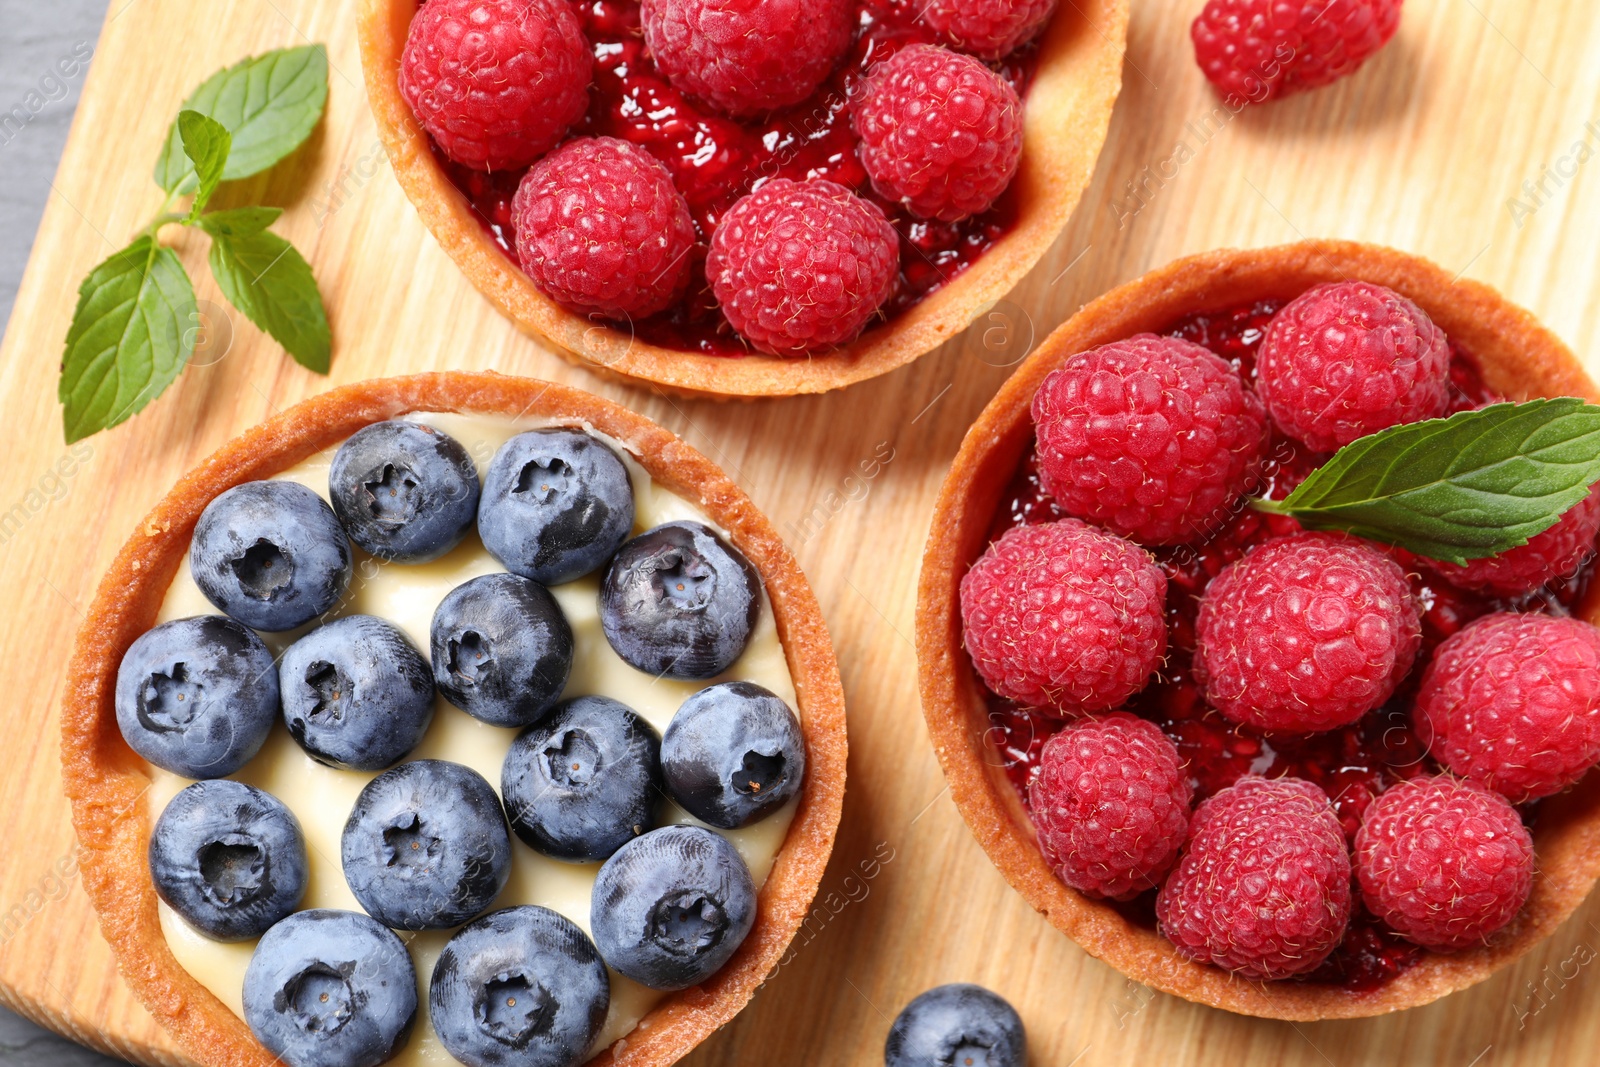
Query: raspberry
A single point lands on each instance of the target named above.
(1556, 553)
(1263, 886)
(987, 28)
(1258, 50)
(496, 83)
(1062, 616)
(1444, 862)
(1152, 437)
(1512, 702)
(601, 228)
(940, 132)
(744, 57)
(799, 266)
(1305, 633)
(1111, 805)
(1346, 359)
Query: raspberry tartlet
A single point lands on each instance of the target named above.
(1352, 724)
(504, 582)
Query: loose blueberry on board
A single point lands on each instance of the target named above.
(502, 649)
(229, 858)
(425, 847)
(671, 907)
(520, 987)
(582, 782)
(197, 696)
(679, 601)
(556, 504)
(330, 988)
(404, 491)
(733, 754)
(959, 1024)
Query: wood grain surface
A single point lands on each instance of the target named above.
(1427, 149)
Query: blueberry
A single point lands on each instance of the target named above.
(425, 846)
(502, 649)
(733, 754)
(356, 694)
(957, 1026)
(521, 987)
(582, 782)
(556, 504)
(330, 988)
(197, 696)
(229, 858)
(679, 601)
(671, 907)
(404, 491)
(271, 554)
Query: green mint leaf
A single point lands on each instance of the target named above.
(263, 276)
(1469, 486)
(206, 142)
(269, 103)
(132, 332)
(239, 221)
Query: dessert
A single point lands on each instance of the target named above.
(958, 1023)
(1253, 51)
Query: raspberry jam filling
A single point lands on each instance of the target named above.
(715, 160)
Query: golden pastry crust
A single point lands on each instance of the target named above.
(1519, 358)
(1068, 112)
(106, 782)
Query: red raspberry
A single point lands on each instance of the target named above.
(987, 28)
(1111, 805)
(1556, 553)
(1305, 633)
(744, 57)
(1263, 886)
(940, 132)
(1346, 359)
(1444, 862)
(800, 266)
(1152, 437)
(496, 83)
(600, 227)
(1512, 702)
(1062, 616)
(1258, 50)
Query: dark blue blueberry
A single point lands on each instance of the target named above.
(957, 1025)
(521, 987)
(733, 754)
(229, 858)
(404, 491)
(197, 696)
(271, 554)
(583, 781)
(556, 504)
(502, 649)
(425, 847)
(330, 988)
(679, 601)
(671, 907)
(356, 694)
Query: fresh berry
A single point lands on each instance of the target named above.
(1512, 702)
(501, 649)
(522, 986)
(1258, 50)
(991, 29)
(733, 754)
(404, 491)
(1062, 616)
(957, 1025)
(1305, 633)
(197, 696)
(1111, 805)
(802, 266)
(1557, 553)
(496, 83)
(1346, 359)
(1263, 886)
(229, 858)
(1152, 437)
(1444, 862)
(940, 132)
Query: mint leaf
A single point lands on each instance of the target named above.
(206, 142)
(239, 221)
(1469, 486)
(269, 103)
(263, 276)
(131, 334)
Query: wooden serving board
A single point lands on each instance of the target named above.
(1423, 150)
